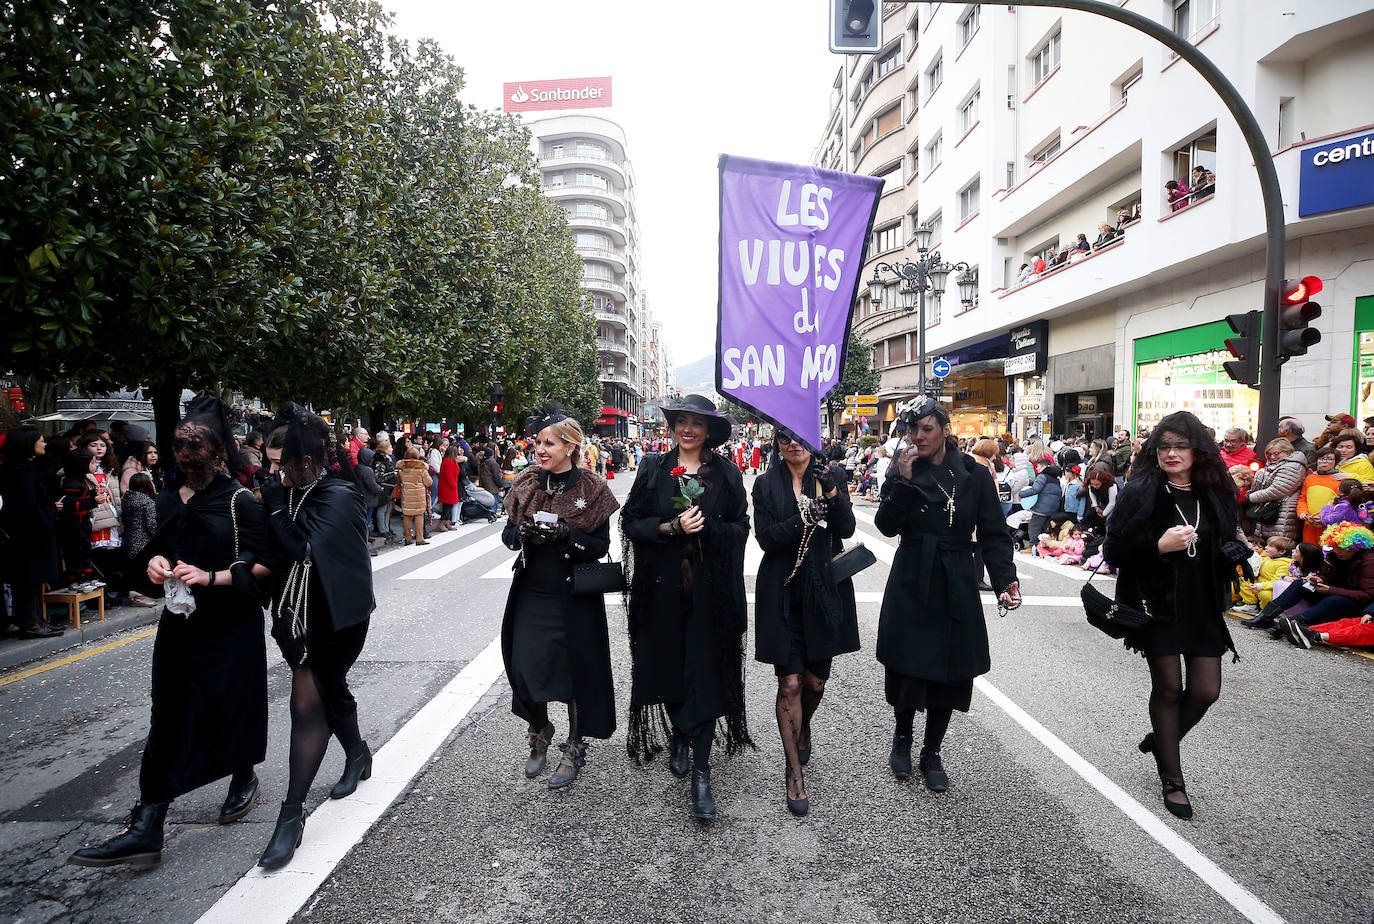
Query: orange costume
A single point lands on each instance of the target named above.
(1316, 492)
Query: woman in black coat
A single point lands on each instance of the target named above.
(687, 609)
(209, 683)
(321, 605)
(1173, 535)
(803, 618)
(931, 634)
(28, 518)
(554, 642)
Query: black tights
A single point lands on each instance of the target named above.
(798, 697)
(310, 733)
(541, 718)
(937, 723)
(1175, 709)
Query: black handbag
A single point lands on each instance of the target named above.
(1107, 615)
(851, 561)
(1266, 512)
(599, 577)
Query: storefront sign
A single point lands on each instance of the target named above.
(1029, 350)
(1030, 405)
(1087, 404)
(1336, 175)
(540, 95)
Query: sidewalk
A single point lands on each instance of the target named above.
(15, 651)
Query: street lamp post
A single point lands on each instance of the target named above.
(927, 272)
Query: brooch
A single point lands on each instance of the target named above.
(580, 503)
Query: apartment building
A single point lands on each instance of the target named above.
(1007, 133)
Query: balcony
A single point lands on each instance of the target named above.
(615, 227)
(611, 317)
(612, 255)
(607, 345)
(604, 285)
(588, 191)
(585, 160)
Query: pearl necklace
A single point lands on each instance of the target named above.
(1192, 540)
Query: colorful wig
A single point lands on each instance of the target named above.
(1347, 536)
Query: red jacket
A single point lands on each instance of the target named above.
(1242, 456)
(448, 481)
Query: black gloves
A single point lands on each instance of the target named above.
(823, 476)
(273, 494)
(540, 533)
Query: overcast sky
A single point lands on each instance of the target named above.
(690, 82)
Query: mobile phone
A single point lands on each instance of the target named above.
(545, 516)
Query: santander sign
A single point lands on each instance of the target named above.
(575, 93)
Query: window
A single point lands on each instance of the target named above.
(597, 271)
(591, 239)
(935, 74)
(913, 219)
(889, 238)
(1192, 16)
(1199, 153)
(968, 200)
(888, 63)
(591, 179)
(589, 210)
(891, 175)
(1045, 60)
(591, 149)
(937, 229)
(554, 151)
(1285, 121)
(934, 152)
(888, 121)
(1129, 81)
(968, 112)
(932, 311)
(1045, 152)
(896, 350)
(968, 25)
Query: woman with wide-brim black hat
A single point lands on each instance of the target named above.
(684, 529)
(554, 642)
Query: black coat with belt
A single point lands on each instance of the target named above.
(931, 626)
(29, 519)
(659, 632)
(829, 618)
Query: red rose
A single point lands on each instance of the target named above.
(678, 471)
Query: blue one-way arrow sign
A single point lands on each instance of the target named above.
(940, 368)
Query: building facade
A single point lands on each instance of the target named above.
(1010, 132)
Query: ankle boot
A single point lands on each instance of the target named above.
(357, 767)
(239, 801)
(900, 759)
(574, 757)
(680, 758)
(139, 844)
(539, 751)
(286, 838)
(933, 770)
(703, 803)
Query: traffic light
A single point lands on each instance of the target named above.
(856, 26)
(496, 408)
(1245, 347)
(1296, 312)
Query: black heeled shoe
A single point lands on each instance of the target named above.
(239, 801)
(703, 803)
(798, 807)
(356, 767)
(1182, 810)
(286, 838)
(899, 761)
(680, 756)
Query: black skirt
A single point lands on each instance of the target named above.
(905, 692)
(798, 658)
(541, 669)
(1197, 629)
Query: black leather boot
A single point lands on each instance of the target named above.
(680, 754)
(356, 767)
(286, 838)
(703, 803)
(239, 801)
(539, 751)
(900, 758)
(574, 757)
(933, 769)
(139, 844)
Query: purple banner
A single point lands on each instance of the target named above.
(792, 244)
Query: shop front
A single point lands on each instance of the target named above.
(1082, 388)
(975, 391)
(1363, 398)
(1027, 358)
(613, 422)
(1182, 371)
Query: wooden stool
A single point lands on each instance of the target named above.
(73, 600)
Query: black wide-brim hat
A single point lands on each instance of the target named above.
(717, 424)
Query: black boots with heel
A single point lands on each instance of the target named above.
(703, 803)
(357, 766)
(286, 838)
(239, 800)
(139, 844)
(679, 754)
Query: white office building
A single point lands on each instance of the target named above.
(1010, 131)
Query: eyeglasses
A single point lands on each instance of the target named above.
(1167, 447)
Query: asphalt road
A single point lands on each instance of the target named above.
(1053, 813)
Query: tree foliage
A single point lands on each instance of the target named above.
(276, 196)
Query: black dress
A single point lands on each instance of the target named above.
(209, 690)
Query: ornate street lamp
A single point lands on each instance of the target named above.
(915, 278)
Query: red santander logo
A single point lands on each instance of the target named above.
(572, 93)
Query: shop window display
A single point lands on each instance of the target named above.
(1198, 384)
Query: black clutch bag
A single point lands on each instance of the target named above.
(1107, 615)
(600, 577)
(851, 561)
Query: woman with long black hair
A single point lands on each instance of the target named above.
(683, 530)
(28, 526)
(803, 617)
(209, 678)
(932, 637)
(1173, 537)
(321, 605)
(554, 642)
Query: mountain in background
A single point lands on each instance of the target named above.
(698, 376)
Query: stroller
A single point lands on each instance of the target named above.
(475, 503)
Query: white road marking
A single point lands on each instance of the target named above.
(334, 828)
(1217, 879)
(1072, 572)
(503, 571)
(454, 560)
(405, 553)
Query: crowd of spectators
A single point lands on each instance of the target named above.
(1052, 259)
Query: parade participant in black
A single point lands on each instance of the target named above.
(554, 642)
(321, 605)
(932, 637)
(1173, 538)
(28, 533)
(683, 530)
(209, 676)
(803, 618)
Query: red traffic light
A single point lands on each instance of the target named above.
(496, 408)
(1299, 290)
